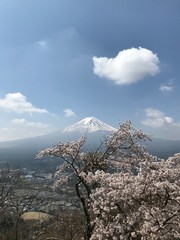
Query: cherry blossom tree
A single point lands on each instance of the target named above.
(125, 192)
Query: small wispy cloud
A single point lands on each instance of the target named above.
(19, 128)
(42, 44)
(166, 88)
(160, 124)
(25, 123)
(129, 66)
(17, 102)
(155, 118)
(69, 113)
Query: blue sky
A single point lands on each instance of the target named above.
(64, 60)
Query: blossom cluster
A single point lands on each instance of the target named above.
(142, 206)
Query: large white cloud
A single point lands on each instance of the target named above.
(129, 66)
(17, 102)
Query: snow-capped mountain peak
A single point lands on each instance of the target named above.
(88, 125)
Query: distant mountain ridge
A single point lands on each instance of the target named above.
(95, 131)
(25, 150)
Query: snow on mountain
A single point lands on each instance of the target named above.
(89, 125)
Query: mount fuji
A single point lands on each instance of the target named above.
(89, 125)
